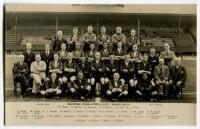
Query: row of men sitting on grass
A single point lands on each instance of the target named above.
(113, 76)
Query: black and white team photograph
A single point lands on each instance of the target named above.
(99, 56)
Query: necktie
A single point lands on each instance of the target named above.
(55, 64)
(161, 71)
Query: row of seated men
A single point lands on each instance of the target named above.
(114, 76)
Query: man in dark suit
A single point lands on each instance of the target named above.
(56, 46)
(97, 70)
(52, 87)
(29, 56)
(84, 66)
(47, 56)
(20, 75)
(80, 88)
(153, 59)
(177, 78)
(117, 90)
(161, 73)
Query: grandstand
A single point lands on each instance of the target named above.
(154, 30)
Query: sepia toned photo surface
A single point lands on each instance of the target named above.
(89, 64)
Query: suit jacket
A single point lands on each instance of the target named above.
(178, 74)
(18, 69)
(57, 44)
(51, 84)
(47, 58)
(153, 61)
(162, 74)
(29, 58)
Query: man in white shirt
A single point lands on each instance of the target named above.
(38, 68)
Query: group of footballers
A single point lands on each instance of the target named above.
(103, 66)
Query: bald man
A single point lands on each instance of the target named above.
(47, 56)
(56, 46)
(178, 77)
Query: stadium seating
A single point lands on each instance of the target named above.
(149, 36)
(157, 41)
(35, 40)
(193, 32)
